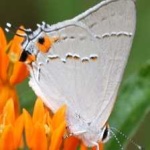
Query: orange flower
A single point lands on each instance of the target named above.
(11, 70)
(10, 128)
(44, 130)
(73, 143)
(48, 131)
(83, 147)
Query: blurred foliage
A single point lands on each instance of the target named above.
(26, 95)
(132, 105)
(133, 101)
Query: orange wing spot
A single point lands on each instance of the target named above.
(30, 59)
(45, 43)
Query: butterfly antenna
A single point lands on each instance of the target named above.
(114, 135)
(129, 139)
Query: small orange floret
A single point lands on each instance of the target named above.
(14, 47)
(71, 143)
(12, 72)
(17, 75)
(50, 130)
(11, 128)
(4, 61)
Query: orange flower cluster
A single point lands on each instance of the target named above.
(39, 131)
(10, 72)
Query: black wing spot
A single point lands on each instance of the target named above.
(105, 134)
(41, 40)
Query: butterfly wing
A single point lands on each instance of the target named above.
(84, 68)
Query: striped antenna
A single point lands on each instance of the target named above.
(129, 139)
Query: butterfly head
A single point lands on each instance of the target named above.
(35, 42)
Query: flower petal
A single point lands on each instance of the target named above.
(15, 49)
(57, 136)
(3, 41)
(100, 147)
(20, 72)
(8, 112)
(83, 147)
(71, 143)
(3, 57)
(28, 126)
(38, 140)
(7, 139)
(18, 130)
(39, 112)
(59, 117)
(7, 92)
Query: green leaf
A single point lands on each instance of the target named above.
(131, 107)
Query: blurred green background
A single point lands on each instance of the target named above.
(28, 13)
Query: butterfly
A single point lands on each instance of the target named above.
(80, 63)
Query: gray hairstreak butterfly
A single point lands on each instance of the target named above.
(80, 63)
